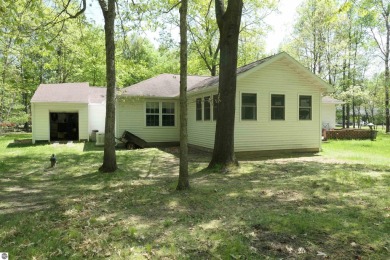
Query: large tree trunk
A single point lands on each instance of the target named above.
(109, 160)
(229, 27)
(183, 182)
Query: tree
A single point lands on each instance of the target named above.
(229, 27)
(109, 157)
(183, 182)
(380, 29)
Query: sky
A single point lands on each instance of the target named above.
(281, 22)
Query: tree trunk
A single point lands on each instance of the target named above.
(109, 159)
(183, 182)
(229, 27)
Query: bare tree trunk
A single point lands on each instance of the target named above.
(229, 27)
(183, 182)
(109, 159)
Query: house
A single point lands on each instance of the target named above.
(329, 105)
(68, 111)
(278, 107)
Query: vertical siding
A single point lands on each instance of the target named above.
(131, 116)
(41, 123)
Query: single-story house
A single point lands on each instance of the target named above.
(278, 107)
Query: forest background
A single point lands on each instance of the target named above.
(346, 43)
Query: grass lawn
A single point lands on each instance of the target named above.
(335, 205)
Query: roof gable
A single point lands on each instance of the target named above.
(248, 69)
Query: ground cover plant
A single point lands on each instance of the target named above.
(335, 204)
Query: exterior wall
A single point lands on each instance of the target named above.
(97, 117)
(328, 116)
(131, 116)
(265, 134)
(200, 133)
(41, 122)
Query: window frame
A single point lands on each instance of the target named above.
(168, 114)
(198, 109)
(272, 107)
(152, 114)
(160, 113)
(305, 107)
(248, 106)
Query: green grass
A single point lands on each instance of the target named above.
(336, 202)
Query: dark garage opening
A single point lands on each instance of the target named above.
(64, 126)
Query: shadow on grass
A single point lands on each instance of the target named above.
(263, 209)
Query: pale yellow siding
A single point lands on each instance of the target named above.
(264, 133)
(131, 116)
(41, 123)
(200, 133)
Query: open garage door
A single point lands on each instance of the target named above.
(64, 126)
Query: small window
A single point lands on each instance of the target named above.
(305, 107)
(168, 114)
(277, 107)
(198, 109)
(207, 109)
(248, 106)
(215, 106)
(152, 114)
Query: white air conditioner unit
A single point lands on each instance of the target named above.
(100, 139)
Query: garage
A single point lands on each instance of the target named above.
(64, 126)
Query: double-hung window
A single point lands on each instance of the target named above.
(277, 107)
(152, 113)
(168, 114)
(160, 114)
(305, 106)
(248, 106)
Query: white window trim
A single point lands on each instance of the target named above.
(257, 106)
(160, 113)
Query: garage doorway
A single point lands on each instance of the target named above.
(64, 126)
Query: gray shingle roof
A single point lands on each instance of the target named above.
(62, 93)
(164, 85)
(69, 93)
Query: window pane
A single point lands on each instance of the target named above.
(277, 113)
(248, 99)
(305, 113)
(152, 107)
(152, 120)
(198, 109)
(305, 101)
(168, 120)
(277, 100)
(248, 106)
(207, 108)
(215, 106)
(168, 107)
(305, 107)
